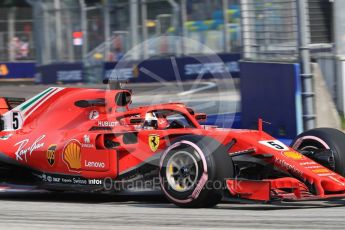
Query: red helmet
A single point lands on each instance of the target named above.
(162, 123)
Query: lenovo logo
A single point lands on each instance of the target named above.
(93, 164)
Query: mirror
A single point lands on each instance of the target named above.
(123, 98)
(200, 116)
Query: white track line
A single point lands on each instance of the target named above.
(208, 85)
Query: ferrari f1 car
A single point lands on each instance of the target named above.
(68, 139)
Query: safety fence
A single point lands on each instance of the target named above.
(16, 34)
(270, 30)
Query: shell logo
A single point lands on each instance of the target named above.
(293, 155)
(72, 155)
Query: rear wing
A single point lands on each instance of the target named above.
(7, 104)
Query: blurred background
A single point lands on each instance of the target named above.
(49, 31)
(287, 55)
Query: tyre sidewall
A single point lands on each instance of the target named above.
(333, 138)
(218, 167)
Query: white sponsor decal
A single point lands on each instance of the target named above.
(93, 164)
(79, 181)
(21, 153)
(107, 123)
(212, 68)
(326, 174)
(95, 182)
(94, 114)
(66, 180)
(56, 179)
(13, 120)
(288, 167)
(119, 74)
(86, 139)
(314, 167)
(274, 144)
(71, 75)
(87, 145)
(87, 142)
(72, 180)
(308, 163)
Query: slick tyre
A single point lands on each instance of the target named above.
(192, 171)
(324, 139)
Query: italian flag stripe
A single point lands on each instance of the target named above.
(38, 102)
(34, 99)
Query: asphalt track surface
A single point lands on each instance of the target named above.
(38, 210)
(34, 209)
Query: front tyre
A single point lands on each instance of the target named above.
(324, 145)
(192, 171)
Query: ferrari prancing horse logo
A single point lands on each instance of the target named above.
(154, 142)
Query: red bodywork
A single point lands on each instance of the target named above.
(51, 135)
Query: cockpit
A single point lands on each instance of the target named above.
(166, 119)
(158, 120)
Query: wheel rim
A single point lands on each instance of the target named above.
(309, 148)
(182, 171)
(319, 146)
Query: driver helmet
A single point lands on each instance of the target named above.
(153, 122)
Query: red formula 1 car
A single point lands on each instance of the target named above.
(91, 140)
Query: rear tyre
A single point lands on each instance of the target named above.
(192, 171)
(327, 141)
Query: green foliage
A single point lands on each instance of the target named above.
(342, 117)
